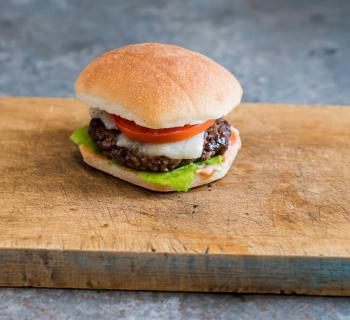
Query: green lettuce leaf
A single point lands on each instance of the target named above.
(179, 179)
(81, 136)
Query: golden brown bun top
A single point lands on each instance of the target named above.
(158, 85)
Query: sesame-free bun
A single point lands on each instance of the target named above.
(158, 85)
(207, 174)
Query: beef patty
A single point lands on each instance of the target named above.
(216, 140)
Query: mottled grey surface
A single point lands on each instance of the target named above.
(73, 304)
(282, 51)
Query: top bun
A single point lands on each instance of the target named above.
(158, 85)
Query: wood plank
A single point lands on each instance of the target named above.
(283, 211)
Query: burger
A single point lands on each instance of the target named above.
(157, 116)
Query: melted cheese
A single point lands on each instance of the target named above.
(186, 149)
(104, 117)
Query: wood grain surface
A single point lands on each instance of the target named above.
(278, 222)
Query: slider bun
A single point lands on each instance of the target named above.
(102, 163)
(158, 85)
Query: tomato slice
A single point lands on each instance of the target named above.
(136, 132)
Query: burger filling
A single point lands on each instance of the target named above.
(157, 157)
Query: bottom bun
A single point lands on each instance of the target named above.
(204, 175)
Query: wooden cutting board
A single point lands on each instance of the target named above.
(278, 222)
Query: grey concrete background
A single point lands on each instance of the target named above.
(282, 51)
(85, 305)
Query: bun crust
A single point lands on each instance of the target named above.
(158, 85)
(102, 163)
